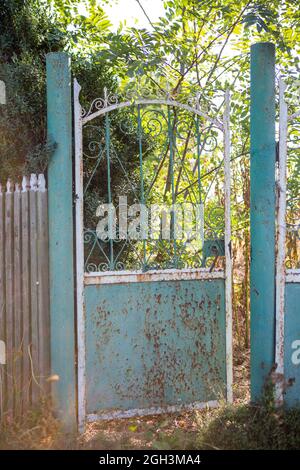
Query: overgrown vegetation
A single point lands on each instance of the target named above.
(237, 427)
(28, 31)
(198, 47)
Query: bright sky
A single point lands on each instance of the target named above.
(131, 12)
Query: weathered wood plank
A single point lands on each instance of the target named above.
(26, 327)
(34, 290)
(9, 295)
(43, 288)
(2, 300)
(17, 323)
(24, 294)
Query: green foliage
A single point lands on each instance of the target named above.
(259, 15)
(203, 47)
(28, 31)
(22, 120)
(37, 160)
(250, 427)
(196, 47)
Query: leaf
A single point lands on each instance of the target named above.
(132, 428)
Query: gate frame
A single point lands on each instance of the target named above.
(131, 276)
(283, 275)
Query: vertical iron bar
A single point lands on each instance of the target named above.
(198, 160)
(200, 213)
(228, 267)
(110, 225)
(142, 182)
(173, 221)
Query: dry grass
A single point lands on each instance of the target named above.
(179, 431)
(39, 429)
(238, 426)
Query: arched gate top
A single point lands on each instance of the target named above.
(102, 106)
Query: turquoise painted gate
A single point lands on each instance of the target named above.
(275, 223)
(152, 255)
(288, 250)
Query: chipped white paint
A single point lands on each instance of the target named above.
(151, 411)
(292, 275)
(112, 107)
(41, 183)
(25, 184)
(121, 277)
(33, 182)
(2, 92)
(79, 258)
(9, 187)
(2, 353)
(281, 235)
(228, 268)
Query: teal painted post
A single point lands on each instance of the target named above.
(59, 127)
(262, 215)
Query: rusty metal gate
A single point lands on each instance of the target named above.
(288, 248)
(153, 255)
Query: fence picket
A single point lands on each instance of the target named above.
(2, 300)
(17, 299)
(26, 327)
(43, 276)
(8, 252)
(24, 294)
(34, 289)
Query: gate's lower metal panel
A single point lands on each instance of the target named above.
(154, 410)
(292, 344)
(154, 345)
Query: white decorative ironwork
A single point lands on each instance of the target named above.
(143, 96)
(109, 99)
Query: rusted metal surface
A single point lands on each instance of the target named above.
(159, 275)
(281, 236)
(227, 240)
(154, 345)
(79, 257)
(292, 344)
(155, 410)
(153, 328)
(293, 275)
(287, 345)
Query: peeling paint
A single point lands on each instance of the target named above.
(154, 344)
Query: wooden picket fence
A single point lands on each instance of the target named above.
(24, 294)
